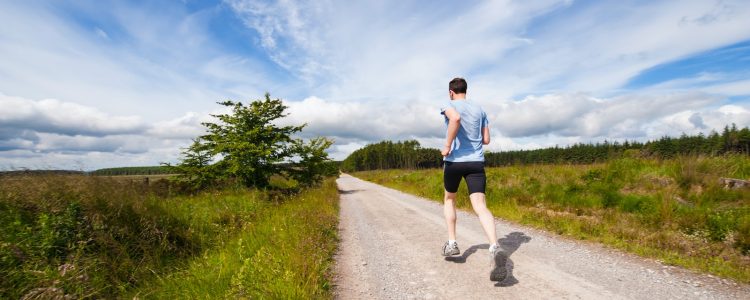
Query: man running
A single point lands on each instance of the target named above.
(468, 130)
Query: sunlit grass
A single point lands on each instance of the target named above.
(284, 252)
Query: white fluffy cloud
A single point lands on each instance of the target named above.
(367, 121)
(535, 121)
(55, 116)
(32, 132)
(187, 126)
(586, 116)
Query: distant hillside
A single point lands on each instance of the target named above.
(40, 172)
(147, 170)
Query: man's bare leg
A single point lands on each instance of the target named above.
(449, 210)
(498, 259)
(479, 204)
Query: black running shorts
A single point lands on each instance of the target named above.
(472, 171)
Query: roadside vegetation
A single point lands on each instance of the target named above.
(251, 213)
(674, 210)
(98, 237)
(280, 249)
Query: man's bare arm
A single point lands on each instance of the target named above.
(454, 122)
(486, 135)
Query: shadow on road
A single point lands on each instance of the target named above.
(462, 259)
(509, 244)
(346, 192)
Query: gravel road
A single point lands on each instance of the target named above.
(391, 242)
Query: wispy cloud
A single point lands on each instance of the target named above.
(507, 49)
(159, 62)
(101, 33)
(289, 31)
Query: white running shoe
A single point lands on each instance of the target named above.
(498, 260)
(450, 249)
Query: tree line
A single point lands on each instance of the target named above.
(731, 141)
(410, 155)
(146, 170)
(392, 155)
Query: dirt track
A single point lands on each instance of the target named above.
(390, 249)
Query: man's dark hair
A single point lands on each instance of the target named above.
(458, 85)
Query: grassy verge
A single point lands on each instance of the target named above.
(282, 251)
(97, 237)
(675, 211)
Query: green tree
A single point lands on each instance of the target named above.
(195, 166)
(314, 163)
(250, 146)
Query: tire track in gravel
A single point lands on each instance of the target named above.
(390, 249)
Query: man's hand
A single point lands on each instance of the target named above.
(446, 150)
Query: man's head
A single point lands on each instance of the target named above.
(457, 88)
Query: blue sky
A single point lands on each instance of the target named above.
(732, 61)
(91, 84)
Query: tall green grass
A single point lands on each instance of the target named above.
(673, 210)
(94, 237)
(281, 251)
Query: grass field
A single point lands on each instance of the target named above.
(676, 211)
(99, 237)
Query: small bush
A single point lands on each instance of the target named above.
(634, 203)
(593, 176)
(719, 225)
(610, 198)
(607, 193)
(689, 171)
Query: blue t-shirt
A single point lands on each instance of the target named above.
(467, 146)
